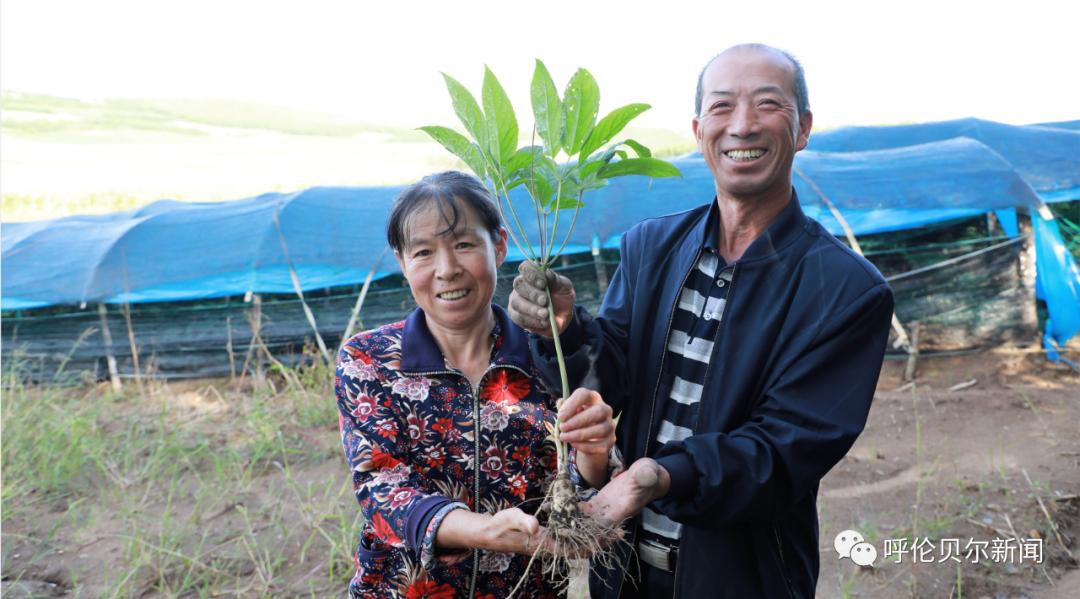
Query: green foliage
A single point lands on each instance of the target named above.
(611, 125)
(568, 128)
(501, 122)
(547, 109)
(582, 103)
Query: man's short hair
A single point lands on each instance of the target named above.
(802, 97)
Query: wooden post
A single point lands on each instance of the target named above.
(913, 351)
(229, 348)
(126, 309)
(354, 318)
(254, 317)
(110, 358)
(1025, 265)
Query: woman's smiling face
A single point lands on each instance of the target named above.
(451, 273)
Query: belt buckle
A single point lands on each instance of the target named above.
(657, 555)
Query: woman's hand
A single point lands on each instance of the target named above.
(506, 531)
(586, 424)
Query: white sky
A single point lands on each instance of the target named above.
(866, 62)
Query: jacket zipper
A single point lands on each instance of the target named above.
(476, 449)
(663, 351)
(783, 564)
(719, 328)
(479, 472)
(659, 377)
(476, 479)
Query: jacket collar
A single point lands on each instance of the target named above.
(420, 353)
(784, 229)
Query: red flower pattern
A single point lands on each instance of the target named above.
(382, 459)
(400, 497)
(383, 531)
(494, 461)
(417, 428)
(518, 486)
(365, 406)
(506, 387)
(429, 589)
(435, 456)
(443, 425)
(411, 437)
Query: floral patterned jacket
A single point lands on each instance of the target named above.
(421, 442)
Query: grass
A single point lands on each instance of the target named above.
(177, 492)
(21, 206)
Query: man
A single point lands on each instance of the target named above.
(741, 343)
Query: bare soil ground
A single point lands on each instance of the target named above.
(210, 489)
(965, 453)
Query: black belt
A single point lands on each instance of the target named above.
(658, 552)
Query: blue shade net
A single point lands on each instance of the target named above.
(881, 181)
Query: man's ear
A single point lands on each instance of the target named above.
(695, 125)
(401, 263)
(806, 123)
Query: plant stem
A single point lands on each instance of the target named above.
(559, 445)
(534, 194)
(548, 258)
(569, 231)
(498, 203)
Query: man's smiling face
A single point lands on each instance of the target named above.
(749, 127)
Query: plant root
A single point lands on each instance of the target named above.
(570, 536)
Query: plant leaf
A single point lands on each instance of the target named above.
(459, 146)
(547, 109)
(515, 182)
(610, 126)
(468, 112)
(647, 167)
(581, 101)
(523, 158)
(565, 203)
(641, 150)
(502, 125)
(591, 167)
(542, 189)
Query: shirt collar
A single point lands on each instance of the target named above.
(782, 231)
(420, 353)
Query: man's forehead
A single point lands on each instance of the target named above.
(740, 61)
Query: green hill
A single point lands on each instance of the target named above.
(38, 115)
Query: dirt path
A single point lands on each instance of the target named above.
(936, 464)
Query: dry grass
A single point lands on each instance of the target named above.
(186, 490)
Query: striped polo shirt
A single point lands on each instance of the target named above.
(694, 326)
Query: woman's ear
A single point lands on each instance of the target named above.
(500, 248)
(400, 262)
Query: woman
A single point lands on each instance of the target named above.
(443, 414)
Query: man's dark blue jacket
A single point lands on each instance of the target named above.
(789, 385)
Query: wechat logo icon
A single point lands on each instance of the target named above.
(851, 544)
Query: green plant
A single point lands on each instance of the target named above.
(569, 131)
(568, 128)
